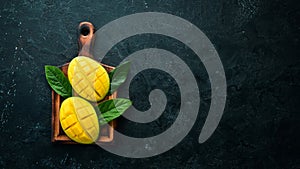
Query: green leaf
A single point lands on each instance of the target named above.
(118, 76)
(112, 109)
(58, 81)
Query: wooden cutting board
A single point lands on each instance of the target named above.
(86, 32)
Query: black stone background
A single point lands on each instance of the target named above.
(258, 43)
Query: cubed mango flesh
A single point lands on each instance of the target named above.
(79, 120)
(88, 78)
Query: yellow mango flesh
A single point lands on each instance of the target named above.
(88, 78)
(79, 120)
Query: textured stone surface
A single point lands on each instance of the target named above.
(258, 43)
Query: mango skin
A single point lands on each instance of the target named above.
(88, 78)
(79, 120)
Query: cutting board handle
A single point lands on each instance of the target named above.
(86, 31)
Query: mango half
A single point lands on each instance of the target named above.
(88, 78)
(79, 120)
